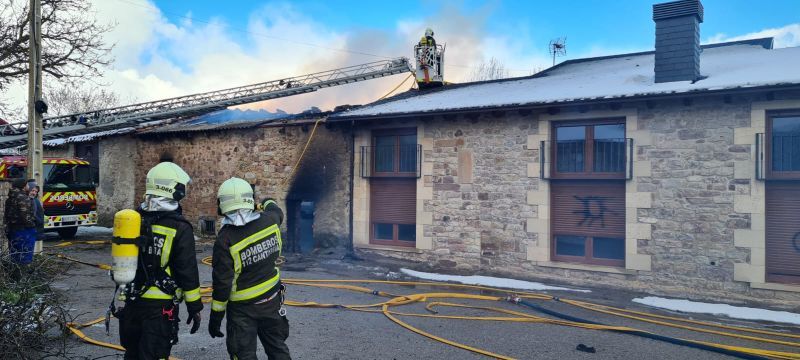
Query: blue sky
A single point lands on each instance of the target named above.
(589, 25)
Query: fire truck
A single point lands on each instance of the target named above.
(69, 194)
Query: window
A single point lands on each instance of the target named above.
(395, 233)
(588, 221)
(590, 250)
(783, 145)
(63, 176)
(393, 164)
(394, 153)
(590, 150)
(393, 211)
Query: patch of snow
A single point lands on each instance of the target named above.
(87, 137)
(95, 231)
(487, 281)
(736, 312)
(726, 67)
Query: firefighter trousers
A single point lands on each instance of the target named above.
(146, 330)
(248, 321)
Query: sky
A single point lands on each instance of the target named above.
(167, 48)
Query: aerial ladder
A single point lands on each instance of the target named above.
(14, 135)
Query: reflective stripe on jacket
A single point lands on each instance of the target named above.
(244, 261)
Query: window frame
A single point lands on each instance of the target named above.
(395, 231)
(769, 173)
(588, 251)
(588, 148)
(396, 133)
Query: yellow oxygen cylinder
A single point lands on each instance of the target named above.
(124, 249)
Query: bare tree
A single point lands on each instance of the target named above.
(69, 99)
(489, 70)
(72, 40)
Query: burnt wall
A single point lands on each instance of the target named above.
(264, 157)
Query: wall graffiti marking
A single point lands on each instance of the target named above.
(594, 209)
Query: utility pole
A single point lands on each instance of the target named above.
(35, 105)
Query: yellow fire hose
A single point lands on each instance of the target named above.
(515, 316)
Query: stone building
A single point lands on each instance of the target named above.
(629, 170)
(262, 152)
(673, 171)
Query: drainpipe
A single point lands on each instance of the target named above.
(350, 251)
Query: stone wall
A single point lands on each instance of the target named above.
(680, 205)
(264, 157)
(474, 174)
(117, 178)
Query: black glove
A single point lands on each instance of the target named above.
(194, 319)
(215, 323)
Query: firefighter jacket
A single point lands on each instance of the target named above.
(427, 41)
(18, 211)
(167, 268)
(244, 261)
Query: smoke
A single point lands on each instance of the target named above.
(156, 57)
(786, 36)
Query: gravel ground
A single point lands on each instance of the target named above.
(342, 334)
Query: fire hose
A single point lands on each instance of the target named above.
(516, 297)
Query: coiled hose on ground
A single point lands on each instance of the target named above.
(518, 297)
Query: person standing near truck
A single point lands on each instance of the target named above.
(38, 212)
(19, 221)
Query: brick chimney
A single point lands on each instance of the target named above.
(678, 40)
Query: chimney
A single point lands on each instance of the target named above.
(678, 40)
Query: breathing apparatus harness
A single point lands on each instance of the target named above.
(154, 274)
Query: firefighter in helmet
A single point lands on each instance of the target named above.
(167, 270)
(246, 280)
(427, 39)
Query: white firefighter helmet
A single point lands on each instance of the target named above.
(167, 180)
(235, 194)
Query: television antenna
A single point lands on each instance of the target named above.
(558, 47)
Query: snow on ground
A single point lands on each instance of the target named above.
(736, 312)
(487, 281)
(94, 231)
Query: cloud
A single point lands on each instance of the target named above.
(158, 57)
(786, 36)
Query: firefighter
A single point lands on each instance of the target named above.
(246, 281)
(167, 270)
(427, 39)
(428, 56)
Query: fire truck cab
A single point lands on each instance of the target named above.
(69, 194)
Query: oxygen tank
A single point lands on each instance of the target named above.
(124, 251)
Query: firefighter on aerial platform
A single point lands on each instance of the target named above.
(427, 39)
(245, 277)
(429, 61)
(166, 272)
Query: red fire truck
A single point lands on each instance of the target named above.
(69, 193)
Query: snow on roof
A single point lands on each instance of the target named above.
(87, 137)
(726, 66)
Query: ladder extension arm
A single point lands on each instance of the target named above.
(197, 104)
